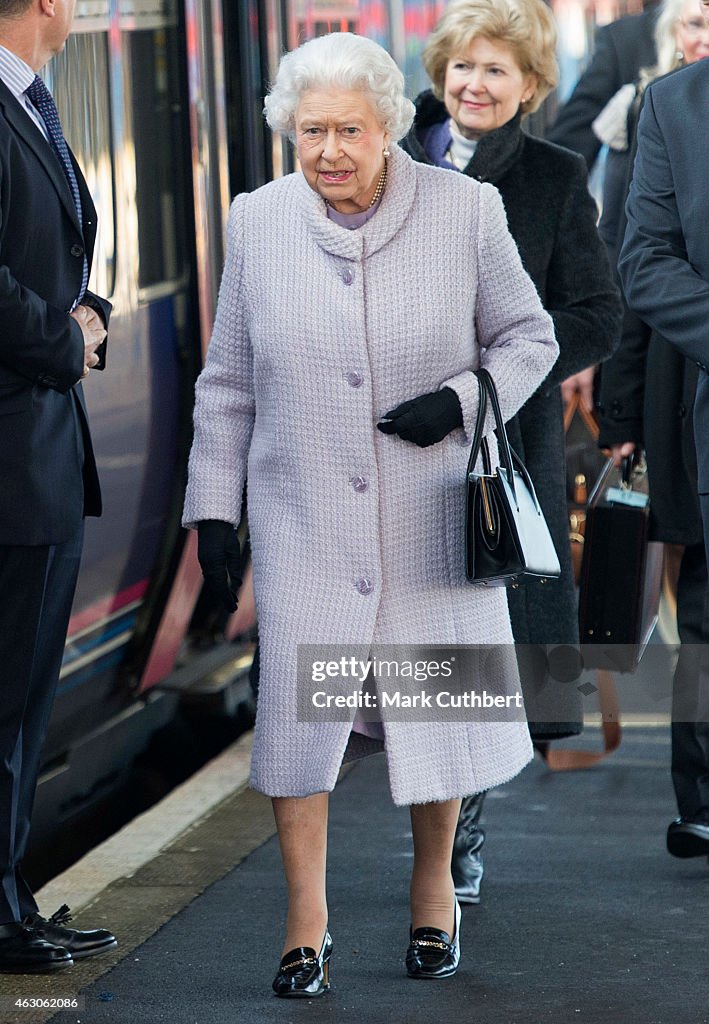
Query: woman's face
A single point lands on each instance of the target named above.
(692, 32)
(340, 145)
(485, 86)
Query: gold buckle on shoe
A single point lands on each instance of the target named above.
(298, 963)
(429, 942)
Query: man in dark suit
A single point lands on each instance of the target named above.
(621, 50)
(52, 332)
(664, 269)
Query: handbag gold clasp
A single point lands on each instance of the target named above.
(486, 506)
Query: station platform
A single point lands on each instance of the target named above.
(584, 916)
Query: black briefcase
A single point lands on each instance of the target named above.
(621, 571)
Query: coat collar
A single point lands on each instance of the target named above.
(22, 124)
(496, 152)
(393, 210)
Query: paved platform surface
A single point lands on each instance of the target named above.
(585, 918)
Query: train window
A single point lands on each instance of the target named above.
(400, 26)
(310, 18)
(159, 148)
(86, 119)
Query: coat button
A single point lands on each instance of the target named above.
(360, 484)
(354, 379)
(682, 410)
(77, 250)
(347, 275)
(364, 586)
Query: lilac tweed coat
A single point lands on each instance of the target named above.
(319, 331)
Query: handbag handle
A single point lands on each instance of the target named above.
(488, 390)
(575, 405)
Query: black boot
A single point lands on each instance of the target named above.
(467, 861)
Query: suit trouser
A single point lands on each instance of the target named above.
(36, 592)
(690, 692)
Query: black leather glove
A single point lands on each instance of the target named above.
(425, 420)
(219, 554)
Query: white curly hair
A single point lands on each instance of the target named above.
(340, 60)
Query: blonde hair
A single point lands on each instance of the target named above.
(668, 57)
(526, 26)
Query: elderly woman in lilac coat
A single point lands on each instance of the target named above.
(339, 379)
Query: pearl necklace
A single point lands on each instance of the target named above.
(381, 185)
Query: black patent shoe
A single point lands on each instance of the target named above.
(467, 860)
(432, 953)
(688, 837)
(22, 952)
(79, 944)
(303, 973)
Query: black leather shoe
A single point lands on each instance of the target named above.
(303, 973)
(23, 952)
(79, 944)
(432, 953)
(688, 838)
(467, 860)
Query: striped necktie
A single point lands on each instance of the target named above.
(43, 102)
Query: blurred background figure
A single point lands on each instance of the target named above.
(621, 49)
(681, 37)
(492, 62)
(647, 401)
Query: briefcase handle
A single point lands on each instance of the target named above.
(628, 466)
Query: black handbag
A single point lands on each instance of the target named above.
(506, 536)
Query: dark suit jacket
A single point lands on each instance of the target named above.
(664, 260)
(647, 396)
(48, 478)
(622, 49)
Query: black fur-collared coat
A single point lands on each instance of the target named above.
(552, 218)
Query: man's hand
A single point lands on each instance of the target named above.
(94, 334)
(621, 451)
(583, 384)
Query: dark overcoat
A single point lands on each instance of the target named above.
(647, 395)
(552, 218)
(664, 261)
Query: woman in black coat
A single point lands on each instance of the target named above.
(491, 62)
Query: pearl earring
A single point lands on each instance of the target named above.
(385, 151)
